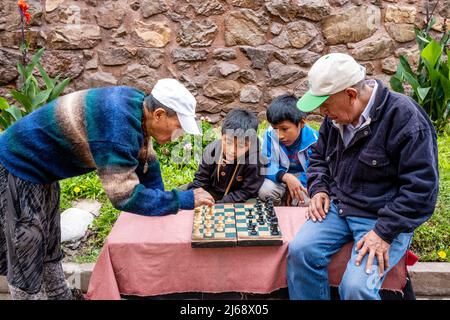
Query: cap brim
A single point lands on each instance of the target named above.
(189, 124)
(309, 102)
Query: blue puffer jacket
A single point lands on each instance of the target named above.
(275, 153)
(388, 171)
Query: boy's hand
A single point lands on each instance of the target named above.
(202, 197)
(318, 207)
(295, 187)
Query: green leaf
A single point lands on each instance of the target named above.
(41, 98)
(423, 92)
(431, 53)
(24, 100)
(48, 81)
(397, 85)
(59, 88)
(3, 104)
(34, 60)
(15, 112)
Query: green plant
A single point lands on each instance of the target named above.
(430, 83)
(30, 95)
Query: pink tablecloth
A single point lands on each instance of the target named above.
(147, 256)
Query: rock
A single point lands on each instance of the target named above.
(411, 54)
(66, 64)
(401, 32)
(281, 74)
(282, 56)
(51, 5)
(91, 206)
(223, 69)
(101, 79)
(245, 27)
(370, 68)
(258, 56)
(207, 105)
(273, 93)
(296, 34)
(180, 54)
(206, 7)
(318, 46)
(67, 37)
(381, 47)
(222, 90)
(224, 54)
(351, 24)
(281, 8)
(304, 58)
(197, 33)
(400, 14)
(114, 56)
(151, 7)
(14, 38)
(152, 35)
(337, 3)
(301, 88)
(74, 224)
(314, 10)
(276, 28)
(8, 66)
(342, 48)
(110, 15)
(246, 76)
(153, 58)
(389, 65)
(140, 77)
(250, 94)
(249, 4)
(135, 5)
(441, 23)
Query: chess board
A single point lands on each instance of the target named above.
(214, 227)
(261, 233)
(226, 225)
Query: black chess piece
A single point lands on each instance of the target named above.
(274, 230)
(250, 215)
(261, 219)
(250, 225)
(253, 232)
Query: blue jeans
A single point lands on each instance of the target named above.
(311, 251)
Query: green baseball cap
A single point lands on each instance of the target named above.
(330, 74)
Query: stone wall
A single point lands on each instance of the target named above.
(227, 52)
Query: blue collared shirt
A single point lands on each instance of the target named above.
(349, 130)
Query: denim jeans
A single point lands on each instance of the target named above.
(311, 251)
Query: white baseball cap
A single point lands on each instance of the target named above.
(173, 95)
(330, 74)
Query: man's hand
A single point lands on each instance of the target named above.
(202, 197)
(372, 244)
(295, 187)
(318, 207)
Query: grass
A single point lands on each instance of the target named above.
(431, 240)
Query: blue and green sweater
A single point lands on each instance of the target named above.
(97, 129)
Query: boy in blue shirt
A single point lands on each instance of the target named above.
(286, 149)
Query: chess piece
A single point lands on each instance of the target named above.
(197, 231)
(250, 215)
(253, 232)
(250, 225)
(208, 232)
(274, 230)
(220, 227)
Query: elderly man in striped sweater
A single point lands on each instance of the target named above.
(105, 129)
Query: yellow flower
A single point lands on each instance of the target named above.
(442, 254)
(77, 190)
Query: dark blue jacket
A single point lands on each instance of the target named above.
(388, 171)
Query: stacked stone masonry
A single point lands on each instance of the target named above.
(229, 53)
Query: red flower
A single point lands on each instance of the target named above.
(24, 9)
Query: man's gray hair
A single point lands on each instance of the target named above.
(152, 104)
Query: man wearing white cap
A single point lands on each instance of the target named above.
(372, 179)
(105, 129)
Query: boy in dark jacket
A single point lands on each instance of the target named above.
(230, 166)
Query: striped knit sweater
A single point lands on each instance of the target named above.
(97, 129)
